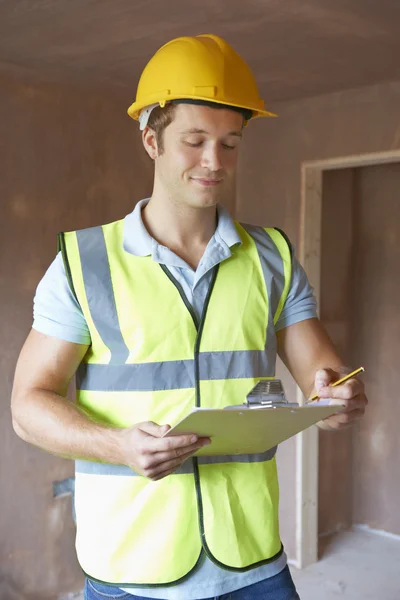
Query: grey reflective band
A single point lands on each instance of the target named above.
(172, 375)
(99, 291)
(271, 264)
(142, 377)
(168, 375)
(274, 278)
(93, 468)
(237, 458)
(235, 364)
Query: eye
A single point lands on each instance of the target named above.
(227, 147)
(192, 144)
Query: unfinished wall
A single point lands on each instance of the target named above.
(346, 123)
(338, 187)
(375, 337)
(359, 305)
(70, 159)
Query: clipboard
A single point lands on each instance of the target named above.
(263, 421)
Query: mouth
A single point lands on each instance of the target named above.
(206, 182)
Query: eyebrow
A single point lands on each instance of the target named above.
(194, 130)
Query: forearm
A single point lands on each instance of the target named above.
(313, 361)
(52, 423)
(305, 348)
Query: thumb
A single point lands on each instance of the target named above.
(154, 430)
(324, 377)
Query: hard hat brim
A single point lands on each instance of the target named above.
(135, 108)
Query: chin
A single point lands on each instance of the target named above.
(205, 202)
(207, 197)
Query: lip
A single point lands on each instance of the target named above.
(207, 182)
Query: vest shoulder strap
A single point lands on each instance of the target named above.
(275, 254)
(61, 247)
(285, 237)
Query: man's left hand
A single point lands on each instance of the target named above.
(351, 393)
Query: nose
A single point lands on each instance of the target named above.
(211, 157)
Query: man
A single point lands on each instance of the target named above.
(174, 306)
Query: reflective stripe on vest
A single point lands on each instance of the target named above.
(151, 360)
(94, 468)
(172, 375)
(168, 374)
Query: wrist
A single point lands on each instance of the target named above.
(112, 445)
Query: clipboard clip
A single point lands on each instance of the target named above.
(268, 394)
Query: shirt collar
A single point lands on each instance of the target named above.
(138, 241)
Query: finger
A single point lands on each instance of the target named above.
(153, 440)
(345, 419)
(348, 405)
(348, 417)
(324, 377)
(166, 467)
(163, 474)
(169, 444)
(358, 402)
(178, 453)
(152, 429)
(345, 391)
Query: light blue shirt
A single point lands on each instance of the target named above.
(58, 314)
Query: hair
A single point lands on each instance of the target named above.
(160, 118)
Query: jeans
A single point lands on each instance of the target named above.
(279, 587)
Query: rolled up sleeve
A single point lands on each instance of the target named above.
(56, 311)
(300, 303)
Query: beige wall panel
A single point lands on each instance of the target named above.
(376, 336)
(335, 451)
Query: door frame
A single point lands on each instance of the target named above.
(310, 257)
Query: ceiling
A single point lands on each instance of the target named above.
(297, 48)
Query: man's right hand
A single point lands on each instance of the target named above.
(148, 453)
(44, 417)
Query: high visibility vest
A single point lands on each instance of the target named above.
(151, 360)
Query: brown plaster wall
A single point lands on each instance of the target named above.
(335, 451)
(375, 339)
(354, 122)
(359, 480)
(70, 159)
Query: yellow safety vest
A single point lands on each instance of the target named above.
(151, 360)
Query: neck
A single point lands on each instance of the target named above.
(183, 229)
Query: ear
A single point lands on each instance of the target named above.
(150, 142)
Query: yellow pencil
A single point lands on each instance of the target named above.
(342, 380)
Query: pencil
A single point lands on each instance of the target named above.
(342, 380)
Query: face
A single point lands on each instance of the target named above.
(198, 165)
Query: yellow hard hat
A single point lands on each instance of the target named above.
(204, 68)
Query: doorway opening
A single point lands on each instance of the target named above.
(350, 248)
